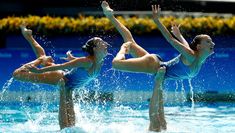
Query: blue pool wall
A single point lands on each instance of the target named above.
(216, 75)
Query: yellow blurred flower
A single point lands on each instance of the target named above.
(138, 25)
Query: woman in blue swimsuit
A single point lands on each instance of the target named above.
(77, 72)
(186, 65)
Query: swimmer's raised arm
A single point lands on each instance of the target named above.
(175, 29)
(27, 33)
(183, 49)
(125, 33)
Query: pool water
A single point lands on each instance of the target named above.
(116, 117)
(216, 75)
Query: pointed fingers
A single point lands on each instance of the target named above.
(158, 6)
(68, 52)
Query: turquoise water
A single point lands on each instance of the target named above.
(113, 117)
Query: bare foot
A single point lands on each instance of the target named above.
(25, 31)
(106, 9)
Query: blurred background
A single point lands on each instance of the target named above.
(58, 26)
(75, 7)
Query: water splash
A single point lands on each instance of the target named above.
(109, 119)
(35, 116)
(47, 44)
(182, 91)
(176, 89)
(191, 92)
(96, 89)
(126, 119)
(5, 87)
(97, 83)
(114, 74)
(180, 94)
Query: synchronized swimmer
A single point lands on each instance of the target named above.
(186, 65)
(78, 71)
(75, 73)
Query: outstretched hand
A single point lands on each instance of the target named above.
(106, 9)
(69, 56)
(175, 29)
(25, 31)
(156, 11)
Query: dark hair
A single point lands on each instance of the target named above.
(88, 47)
(195, 42)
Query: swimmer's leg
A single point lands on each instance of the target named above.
(27, 33)
(63, 117)
(51, 78)
(70, 107)
(161, 111)
(146, 64)
(155, 121)
(66, 110)
(133, 48)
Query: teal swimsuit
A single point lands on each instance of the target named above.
(77, 77)
(175, 69)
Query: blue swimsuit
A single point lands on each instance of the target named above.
(176, 69)
(77, 77)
